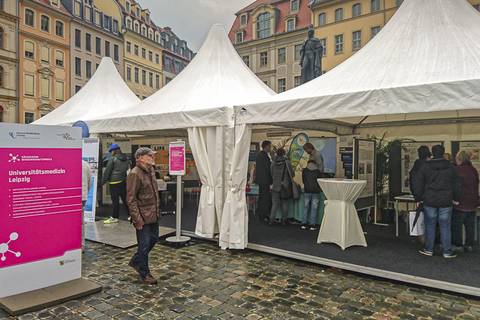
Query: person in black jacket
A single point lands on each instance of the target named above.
(312, 190)
(282, 188)
(424, 155)
(437, 185)
(263, 178)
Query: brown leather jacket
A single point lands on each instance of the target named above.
(142, 196)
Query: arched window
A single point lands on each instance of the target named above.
(263, 25)
(356, 10)
(2, 74)
(1, 38)
(29, 17)
(338, 14)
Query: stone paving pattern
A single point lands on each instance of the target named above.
(204, 282)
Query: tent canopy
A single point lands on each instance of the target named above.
(106, 92)
(203, 94)
(426, 59)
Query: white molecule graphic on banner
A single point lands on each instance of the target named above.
(5, 248)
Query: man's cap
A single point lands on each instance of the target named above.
(143, 151)
(113, 146)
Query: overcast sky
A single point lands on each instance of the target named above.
(191, 19)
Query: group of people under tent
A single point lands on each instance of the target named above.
(274, 176)
(447, 192)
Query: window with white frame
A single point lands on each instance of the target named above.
(77, 8)
(45, 23)
(129, 73)
(338, 14)
(45, 55)
(282, 55)
(357, 10)
(263, 25)
(297, 81)
(375, 31)
(244, 19)
(294, 5)
(338, 43)
(129, 24)
(291, 25)
(322, 19)
(29, 17)
(263, 59)
(59, 58)
(45, 87)
(375, 5)
(323, 43)
(29, 85)
(59, 28)
(88, 13)
(98, 18)
(29, 50)
(282, 85)
(59, 91)
(246, 60)
(29, 117)
(356, 40)
(239, 38)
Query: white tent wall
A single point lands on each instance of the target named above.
(234, 226)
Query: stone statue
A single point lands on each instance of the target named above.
(311, 57)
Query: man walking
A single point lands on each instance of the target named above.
(315, 155)
(144, 208)
(436, 185)
(115, 175)
(263, 178)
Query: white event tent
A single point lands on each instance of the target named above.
(424, 65)
(201, 100)
(104, 93)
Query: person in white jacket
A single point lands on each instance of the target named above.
(86, 184)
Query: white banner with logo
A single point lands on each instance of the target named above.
(90, 154)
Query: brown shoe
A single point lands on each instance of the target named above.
(150, 280)
(134, 266)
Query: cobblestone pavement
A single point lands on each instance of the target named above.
(203, 282)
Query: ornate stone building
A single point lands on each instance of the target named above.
(8, 61)
(44, 55)
(268, 35)
(176, 54)
(96, 32)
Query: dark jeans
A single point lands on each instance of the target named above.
(118, 191)
(459, 219)
(146, 238)
(278, 203)
(264, 201)
(443, 217)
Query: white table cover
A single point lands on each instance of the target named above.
(341, 224)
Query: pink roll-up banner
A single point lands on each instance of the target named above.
(41, 206)
(176, 159)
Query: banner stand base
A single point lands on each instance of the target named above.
(47, 297)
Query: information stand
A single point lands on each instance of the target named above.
(41, 216)
(176, 164)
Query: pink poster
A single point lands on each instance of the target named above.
(42, 204)
(177, 158)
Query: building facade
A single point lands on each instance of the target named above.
(176, 54)
(96, 32)
(8, 61)
(44, 57)
(143, 65)
(346, 26)
(268, 35)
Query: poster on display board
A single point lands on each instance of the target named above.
(90, 152)
(299, 158)
(41, 201)
(409, 154)
(176, 158)
(365, 169)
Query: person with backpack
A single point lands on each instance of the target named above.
(115, 175)
(282, 189)
(436, 186)
(312, 191)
